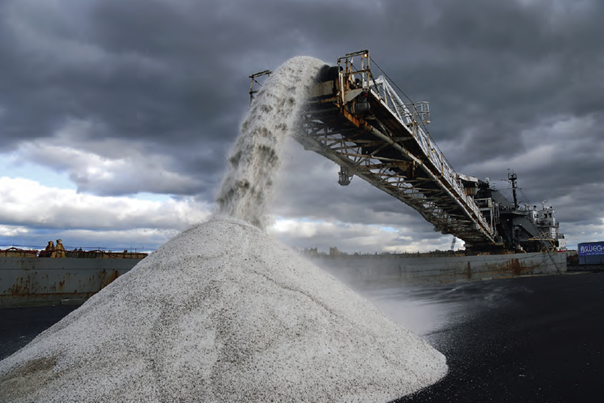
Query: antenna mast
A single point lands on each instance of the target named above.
(512, 178)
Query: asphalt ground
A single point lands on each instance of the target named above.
(534, 339)
(19, 326)
(537, 339)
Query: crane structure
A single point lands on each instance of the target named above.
(361, 123)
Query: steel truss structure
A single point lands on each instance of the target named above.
(361, 123)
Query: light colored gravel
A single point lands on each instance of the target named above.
(222, 313)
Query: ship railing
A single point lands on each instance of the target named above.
(413, 117)
(413, 120)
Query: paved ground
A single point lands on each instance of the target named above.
(537, 339)
(19, 326)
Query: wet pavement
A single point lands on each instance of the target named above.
(19, 326)
(533, 339)
(536, 339)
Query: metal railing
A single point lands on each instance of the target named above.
(354, 78)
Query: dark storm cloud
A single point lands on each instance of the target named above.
(169, 80)
(171, 76)
(492, 69)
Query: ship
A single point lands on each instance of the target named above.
(521, 228)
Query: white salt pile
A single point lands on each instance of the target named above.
(224, 313)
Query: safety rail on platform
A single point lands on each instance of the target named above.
(413, 119)
(342, 126)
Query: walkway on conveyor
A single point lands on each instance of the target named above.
(361, 124)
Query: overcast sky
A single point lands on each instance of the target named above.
(116, 116)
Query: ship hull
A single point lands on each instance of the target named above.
(44, 281)
(446, 269)
(27, 281)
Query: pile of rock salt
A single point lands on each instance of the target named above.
(224, 313)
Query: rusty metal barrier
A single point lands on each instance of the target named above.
(28, 281)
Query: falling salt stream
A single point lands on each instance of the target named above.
(222, 312)
(248, 186)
